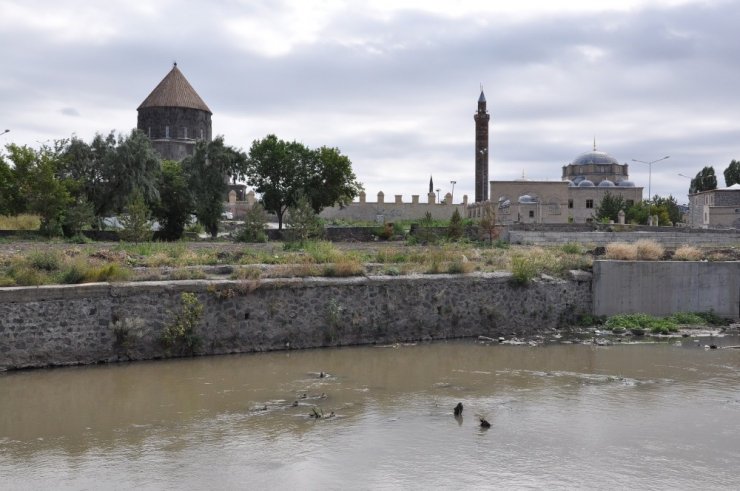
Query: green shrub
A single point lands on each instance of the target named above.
(523, 269)
(460, 266)
(48, 261)
(572, 248)
(713, 319)
(641, 321)
(180, 336)
(255, 221)
(455, 228)
(688, 318)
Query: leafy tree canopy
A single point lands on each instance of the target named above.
(732, 173)
(207, 171)
(705, 180)
(281, 171)
(609, 207)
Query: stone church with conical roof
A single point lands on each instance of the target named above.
(174, 117)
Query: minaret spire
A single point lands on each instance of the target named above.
(481, 118)
(594, 143)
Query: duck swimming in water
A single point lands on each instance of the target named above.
(458, 409)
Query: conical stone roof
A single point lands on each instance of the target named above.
(174, 91)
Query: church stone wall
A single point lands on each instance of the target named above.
(174, 130)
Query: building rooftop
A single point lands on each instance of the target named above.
(174, 91)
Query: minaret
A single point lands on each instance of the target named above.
(481, 150)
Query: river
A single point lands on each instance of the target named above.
(639, 416)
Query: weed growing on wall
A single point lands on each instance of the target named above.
(523, 269)
(180, 336)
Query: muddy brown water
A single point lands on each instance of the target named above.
(643, 416)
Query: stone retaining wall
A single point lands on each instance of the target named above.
(63, 325)
(671, 238)
(665, 287)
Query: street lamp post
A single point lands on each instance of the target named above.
(453, 190)
(650, 179)
(4, 131)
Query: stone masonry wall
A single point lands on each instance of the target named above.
(63, 325)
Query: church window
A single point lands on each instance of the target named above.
(589, 203)
(166, 131)
(185, 132)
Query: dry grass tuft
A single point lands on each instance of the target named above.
(687, 253)
(621, 251)
(649, 250)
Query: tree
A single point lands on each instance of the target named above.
(255, 220)
(332, 181)
(705, 180)
(455, 228)
(732, 173)
(488, 221)
(610, 206)
(33, 187)
(109, 170)
(175, 201)
(303, 222)
(281, 171)
(207, 171)
(137, 226)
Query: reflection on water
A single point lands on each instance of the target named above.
(650, 416)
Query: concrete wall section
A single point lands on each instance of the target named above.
(59, 325)
(666, 287)
(668, 238)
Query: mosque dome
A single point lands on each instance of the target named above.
(571, 184)
(595, 157)
(626, 184)
(525, 198)
(585, 184)
(606, 183)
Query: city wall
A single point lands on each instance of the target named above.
(62, 325)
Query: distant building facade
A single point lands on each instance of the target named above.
(174, 117)
(574, 199)
(717, 208)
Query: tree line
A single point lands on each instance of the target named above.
(72, 184)
(706, 180)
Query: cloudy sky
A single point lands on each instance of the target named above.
(394, 83)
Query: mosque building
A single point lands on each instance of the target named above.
(573, 199)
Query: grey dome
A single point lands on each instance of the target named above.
(525, 198)
(571, 184)
(606, 183)
(595, 157)
(585, 184)
(626, 184)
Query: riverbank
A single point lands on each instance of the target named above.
(92, 323)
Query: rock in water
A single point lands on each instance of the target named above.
(458, 409)
(484, 423)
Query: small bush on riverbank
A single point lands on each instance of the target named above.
(687, 253)
(180, 336)
(523, 269)
(621, 251)
(649, 250)
(641, 321)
